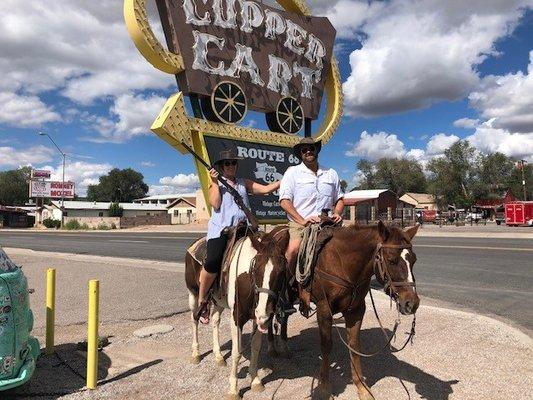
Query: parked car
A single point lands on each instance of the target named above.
(475, 216)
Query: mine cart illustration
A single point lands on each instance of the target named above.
(18, 349)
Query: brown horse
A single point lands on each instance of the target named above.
(342, 280)
(256, 275)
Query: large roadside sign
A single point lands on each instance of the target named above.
(52, 189)
(232, 56)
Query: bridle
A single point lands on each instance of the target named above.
(381, 268)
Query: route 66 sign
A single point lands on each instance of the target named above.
(231, 56)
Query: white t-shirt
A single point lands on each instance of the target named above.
(310, 193)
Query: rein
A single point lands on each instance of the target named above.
(379, 267)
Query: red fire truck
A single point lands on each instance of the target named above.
(519, 213)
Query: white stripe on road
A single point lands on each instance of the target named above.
(471, 247)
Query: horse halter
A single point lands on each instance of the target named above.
(258, 289)
(381, 269)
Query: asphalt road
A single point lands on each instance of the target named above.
(490, 276)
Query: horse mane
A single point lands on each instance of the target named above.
(370, 232)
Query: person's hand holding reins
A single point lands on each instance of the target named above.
(315, 219)
(336, 218)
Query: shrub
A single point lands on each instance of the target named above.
(84, 226)
(103, 227)
(72, 225)
(113, 225)
(115, 210)
(51, 223)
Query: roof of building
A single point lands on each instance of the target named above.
(166, 196)
(365, 194)
(102, 205)
(420, 198)
(12, 209)
(189, 200)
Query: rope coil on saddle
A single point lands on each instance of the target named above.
(306, 254)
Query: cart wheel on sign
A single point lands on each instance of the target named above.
(227, 104)
(288, 117)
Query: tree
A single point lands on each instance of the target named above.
(454, 175)
(515, 182)
(400, 175)
(115, 210)
(494, 171)
(343, 185)
(118, 185)
(14, 190)
(367, 169)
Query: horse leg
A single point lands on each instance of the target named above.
(325, 321)
(283, 346)
(193, 305)
(271, 340)
(257, 336)
(353, 326)
(215, 318)
(236, 352)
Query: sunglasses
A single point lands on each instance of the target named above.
(306, 149)
(228, 163)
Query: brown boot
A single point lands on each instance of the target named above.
(305, 301)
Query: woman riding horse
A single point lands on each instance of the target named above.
(226, 213)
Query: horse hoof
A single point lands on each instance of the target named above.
(258, 387)
(195, 360)
(233, 396)
(221, 362)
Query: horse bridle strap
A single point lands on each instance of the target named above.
(380, 267)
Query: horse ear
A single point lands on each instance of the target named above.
(383, 231)
(411, 231)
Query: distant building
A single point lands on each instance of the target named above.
(15, 217)
(420, 200)
(77, 209)
(166, 199)
(360, 203)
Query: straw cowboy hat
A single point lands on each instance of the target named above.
(306, 141)
(227, 155)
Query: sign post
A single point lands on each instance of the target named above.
(230, 57)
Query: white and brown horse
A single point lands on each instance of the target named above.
(256, 276)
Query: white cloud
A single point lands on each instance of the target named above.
(180, 183)
(80, 172)
(11, 157)
(507, 100)
(467, 123)
(376, 146)
(147, 164)
(440, 142)
(416, 53)
(80, 47)
(132, 115)
(24, 111)
(488, 138)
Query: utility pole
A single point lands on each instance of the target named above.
(522, 166)
(63, 180)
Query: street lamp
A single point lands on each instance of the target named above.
(63, 181)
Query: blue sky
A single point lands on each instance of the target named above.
(417, 76)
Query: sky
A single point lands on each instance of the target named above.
(417, 75)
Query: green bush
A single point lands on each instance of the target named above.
(73, 225)
(103, 227)
(51, 223)
(115, 210)
(113, 225)
(84, 226)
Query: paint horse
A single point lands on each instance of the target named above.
(256, 276)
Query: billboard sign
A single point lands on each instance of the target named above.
(40, 173)
(268, 52)
(263, 164)
(52, 189)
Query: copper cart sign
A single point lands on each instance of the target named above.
(231, 56)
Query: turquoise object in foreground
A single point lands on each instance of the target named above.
(18, 350)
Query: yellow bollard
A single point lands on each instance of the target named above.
(92, 334)
(50, 309)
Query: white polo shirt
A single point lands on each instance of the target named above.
(310, 193)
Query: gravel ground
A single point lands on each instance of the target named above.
(455, 355)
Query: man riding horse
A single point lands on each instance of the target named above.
(306, 190)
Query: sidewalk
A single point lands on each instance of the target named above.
(456, 355)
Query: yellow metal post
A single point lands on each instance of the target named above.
(50, 309)
(92, 334)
